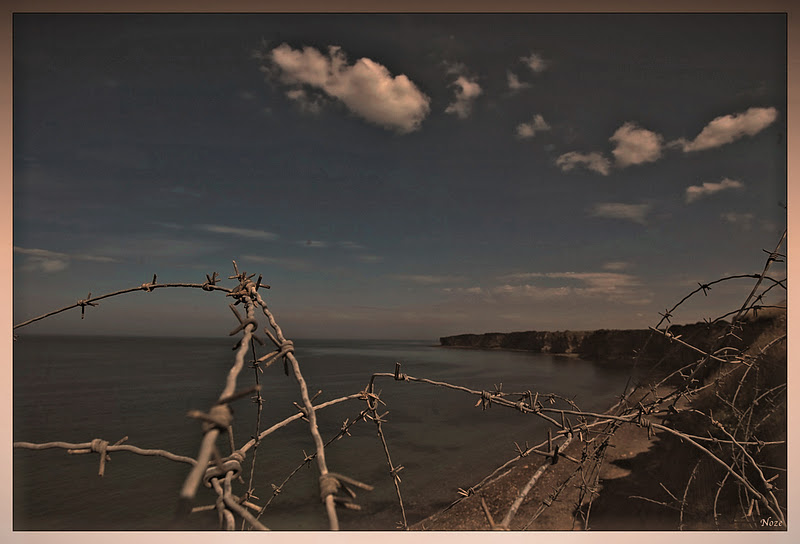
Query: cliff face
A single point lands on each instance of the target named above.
(602, 345)
(538, 341)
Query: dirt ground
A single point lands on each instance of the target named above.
(631, 468)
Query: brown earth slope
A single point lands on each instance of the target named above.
(652, 481)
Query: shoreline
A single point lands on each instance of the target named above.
(519, 350)
(624, 472)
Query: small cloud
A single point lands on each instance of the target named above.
(593, 161)
(247, 95)
(464, 290)
(529, 291)
(728, 128)
(42, 260)
(454, 68)
(519, 276)
(605, 282)
(313, 243)
(616, 266)
(347, 244)
(365, 87)
(535, 62)
(240, 232)
(529, 130)
(695, 192)
(369, 258)
(636, 145)
(423, 279)
(467, 90)
(47, 261)
(609, 285)
(514, 83)
(167, 225)
(742, 220)
(616, 210)
(307, 102)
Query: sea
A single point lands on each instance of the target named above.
(77, 388)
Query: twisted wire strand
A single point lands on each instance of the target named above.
(144, 287)
(325, 487)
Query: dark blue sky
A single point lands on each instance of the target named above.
(395, 175)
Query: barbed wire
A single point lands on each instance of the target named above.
(727, 366)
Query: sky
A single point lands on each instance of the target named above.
(395, 175)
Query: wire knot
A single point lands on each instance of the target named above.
(148, 286)
(230, 464)
(237, 455)
(210, 282)
(395, 472)
(100, 446)
(84, 302)
(328, 485)
(287, 347)
(485, 401)
(399, 376)
(219, 417)
(244, 323)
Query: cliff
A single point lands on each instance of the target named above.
(605, 344)
(538, 341)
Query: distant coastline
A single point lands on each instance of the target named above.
(601, 344)
(607, 345)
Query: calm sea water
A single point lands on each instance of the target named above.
(75, 389)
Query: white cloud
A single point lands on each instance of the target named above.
(52, 261)
(593, 161)
(743, 220)
(535, 62)
(636, 145)
(313, 243)
(366, 88)
(307, 102)
(467, 90)
(607, 285)
(518, 276)
(242, 233)
(695, 192)
(600, 282)
(728, 128)
(617, 210)
(530, 291)
(423, 279)
(529, 130)
(514, 83)
(464, 290)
